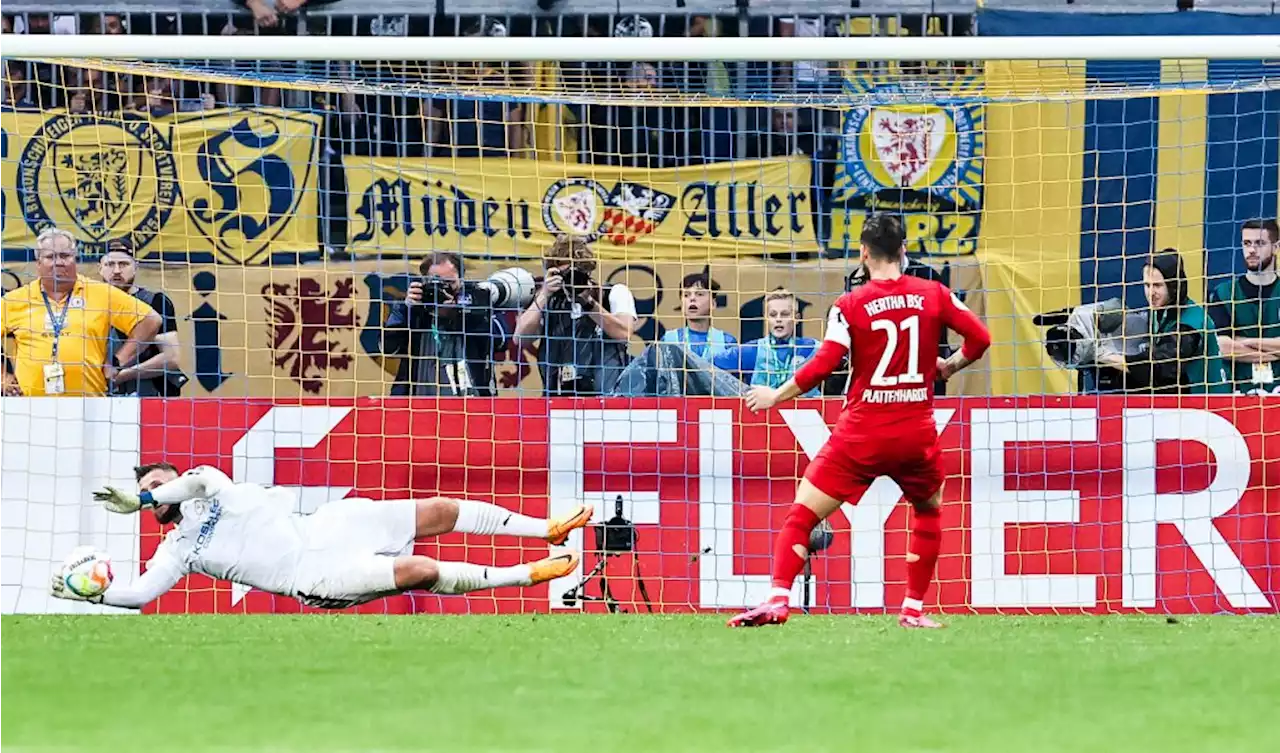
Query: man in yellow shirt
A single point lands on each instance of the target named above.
(60, 324)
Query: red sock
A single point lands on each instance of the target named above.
(796, 530)
(926, 540)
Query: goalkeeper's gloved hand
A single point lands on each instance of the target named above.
(118, 501)
(58, 589)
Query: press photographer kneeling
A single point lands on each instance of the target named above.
(1180, 351)
(580, 329)
(450, 329)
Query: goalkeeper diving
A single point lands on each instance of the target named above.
(348, 552)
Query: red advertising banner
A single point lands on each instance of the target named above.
(1053, 504)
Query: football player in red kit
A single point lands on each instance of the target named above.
(890, 327)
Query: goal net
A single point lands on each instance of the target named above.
(286, 205)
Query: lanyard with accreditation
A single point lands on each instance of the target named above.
(54, 377)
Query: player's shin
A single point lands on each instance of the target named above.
(790, 549)
(487, 519)
(464, 577)
(922, 556)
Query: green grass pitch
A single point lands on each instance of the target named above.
(638, 683)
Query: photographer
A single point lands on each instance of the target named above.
(1180, 353)
(581, 330)
(448, 329)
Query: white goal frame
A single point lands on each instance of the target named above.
(727, 49)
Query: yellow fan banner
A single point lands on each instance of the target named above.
(231, 186)
(514, 208)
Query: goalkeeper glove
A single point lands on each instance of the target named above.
(58, 589)
(118, 501)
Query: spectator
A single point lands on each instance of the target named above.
(774, 358)
(60, 324)
(702, 134)
(698, 301)
(266, 13)
(486, 127)
(710, 78)
(35, 23)
(449, 332)
(803, 75)
(18, 87)
(106, 23)
(783, 136)
(232, 95)
(159, 96)
(100, 93)
(1181, 355)
(158, 372)
(577, 330)
(1246, 311)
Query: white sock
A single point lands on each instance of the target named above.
(915, 604)
(484, 518)
(462, 577)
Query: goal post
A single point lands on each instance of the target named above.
(284, 193)
(615, 49)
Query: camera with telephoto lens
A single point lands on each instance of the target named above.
(510, 288)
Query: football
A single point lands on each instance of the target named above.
(87, 572)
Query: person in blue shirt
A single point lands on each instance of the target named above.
(698, 302)
(774, 358)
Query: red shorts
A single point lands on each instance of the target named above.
(844, 469)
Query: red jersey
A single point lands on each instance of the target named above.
(892, 328)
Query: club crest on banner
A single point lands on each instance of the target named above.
(570, 206)
(918, 153)
(634, 210)
(250, 171)
(911, 147)
(585, 208)
(103, 178)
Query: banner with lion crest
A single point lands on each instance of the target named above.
(514, 207)
(229, 186)
(923, 161)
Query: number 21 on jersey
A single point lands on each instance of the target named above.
(911, 326)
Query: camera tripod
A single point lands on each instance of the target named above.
(614, 538)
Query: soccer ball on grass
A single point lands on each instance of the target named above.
(87, 572)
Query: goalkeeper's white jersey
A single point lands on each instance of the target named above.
(244, 533)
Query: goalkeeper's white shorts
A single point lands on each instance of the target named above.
(351, 549)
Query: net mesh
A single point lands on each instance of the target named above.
(284, 210)
(815, 83)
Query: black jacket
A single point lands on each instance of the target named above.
(171, 382)
(575, 357)
(449, 350)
